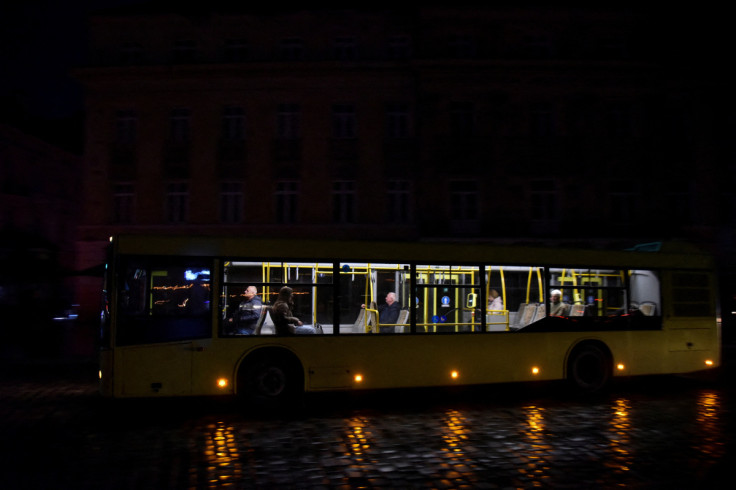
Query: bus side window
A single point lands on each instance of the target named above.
(162, 303)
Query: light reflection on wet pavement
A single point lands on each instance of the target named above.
(654, 433)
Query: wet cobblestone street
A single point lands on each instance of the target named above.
(663, 432)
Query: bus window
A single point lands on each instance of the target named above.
(590, 292)
(442, 292)
(520, 291)
(162, 302)
(243, 272)
(369, 284)
(312, 284)
(645, 292)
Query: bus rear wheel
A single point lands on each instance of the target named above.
(589, 368)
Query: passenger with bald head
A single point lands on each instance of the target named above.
(388, 313)
(249, 310)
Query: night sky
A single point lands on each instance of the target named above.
(40, 41)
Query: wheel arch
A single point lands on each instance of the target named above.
(274, 353)
(581, 347)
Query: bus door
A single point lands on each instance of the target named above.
(164, 320)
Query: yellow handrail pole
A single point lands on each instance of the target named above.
(458, 303)
(370, 310)
(371, 296)
(541, 290)
(488, 286)
(503, 297)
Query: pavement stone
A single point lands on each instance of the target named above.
(57, 432)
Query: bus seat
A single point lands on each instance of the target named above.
(359, 325)
(530, 314)
(262, 319)
(496, 322)
(515, 318)
(403, 322)
(540, 312)
(648, 308)
(576, 310)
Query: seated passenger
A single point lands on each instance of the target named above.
(284, 321)
(388, 313)
(495, 302)
(557, 307)
(249, 311)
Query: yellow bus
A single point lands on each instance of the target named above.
(469, 313)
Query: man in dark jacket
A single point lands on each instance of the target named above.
(249, 311)
(388, 313)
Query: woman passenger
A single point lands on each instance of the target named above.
(284, 320)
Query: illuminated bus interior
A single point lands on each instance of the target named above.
(172, 299)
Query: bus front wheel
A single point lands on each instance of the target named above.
(589, 368)
(272, 378)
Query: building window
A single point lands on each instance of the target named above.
(462, 119)
(236, 50)
(184, 51)
(177, 202)
(679, 206)
(131, 53)
(464, 200)
(543, 200)
(621, 121)
(343, 121)
(343, 201)
(233, 124)
(399, 47)
(126, 127)
(399, 201)
(462, 46)
(537, 46)
(291, 49)
(287, 197)
(231, 202)
(287, 121)
(397, 121)
(344, 48)
(179, 129)
(123, 203)
(623, 202)
(542, 119)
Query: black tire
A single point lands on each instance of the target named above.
(589, 368)
(270, 378)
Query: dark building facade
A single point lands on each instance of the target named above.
(39, 210)
(486, 122)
